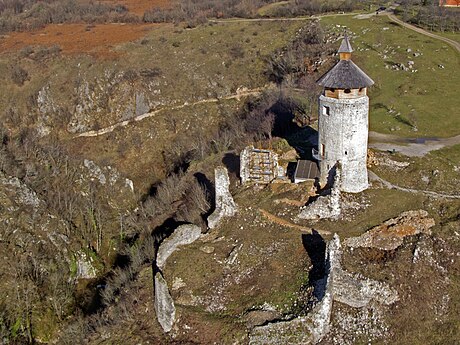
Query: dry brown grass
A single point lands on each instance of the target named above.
(139, 6)
(74, 39)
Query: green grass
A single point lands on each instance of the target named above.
(426, 99)
(449, 34)
(438, 171)
(269, 9)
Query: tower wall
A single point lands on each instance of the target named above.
(343, 134)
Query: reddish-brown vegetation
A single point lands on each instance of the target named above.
(137, 7)
(77, 38)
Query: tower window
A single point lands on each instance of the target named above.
(347, 91)
(326, 110)
(346, 152)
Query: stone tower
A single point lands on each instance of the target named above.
(343, 123)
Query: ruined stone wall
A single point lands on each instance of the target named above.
(344, 134)
(258, 165)
(327, 206)
(225, 205)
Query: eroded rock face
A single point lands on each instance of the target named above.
(390, 234)
(355, 290)
(164, 304)
(184, 234)
(325, 206)
(225, 205)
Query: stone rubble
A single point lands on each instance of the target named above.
(328, 206)
(390, 234)
(225, 205)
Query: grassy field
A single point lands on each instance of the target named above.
(406, 103)
(452, 35)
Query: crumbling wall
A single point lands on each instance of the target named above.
(225, 205)
(164, 304)
(258, 166)
(353, 290)
(184, 234)
(328, 206)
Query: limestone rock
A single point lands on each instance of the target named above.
(225, 205)
(328, 206)
(390, 234)
(259, 317)
(207, 249)
(164, 304)
(355, 290)
(184, 234)
(85, 268)
(303, 330)
(338, 285)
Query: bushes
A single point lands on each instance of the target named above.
(19, 75)
(17, 15)
(197, 11)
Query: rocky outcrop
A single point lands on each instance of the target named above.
(355, 290)
(390, 234)
(225, 205)
(328, 206)
(85, 267)
(164, 304)
(184, 234)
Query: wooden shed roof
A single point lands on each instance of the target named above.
(306, 170)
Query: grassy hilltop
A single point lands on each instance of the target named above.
(110, 133)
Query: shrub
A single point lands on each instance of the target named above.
(19, 75)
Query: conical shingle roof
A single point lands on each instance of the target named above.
(345, 46)
(345, 74)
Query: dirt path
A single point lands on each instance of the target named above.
(283, 222)
(454, 44)
(413, 147)
(389, 185)
(288, 19)
(111, 128)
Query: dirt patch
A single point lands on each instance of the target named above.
(97, 40)
(286, 223)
